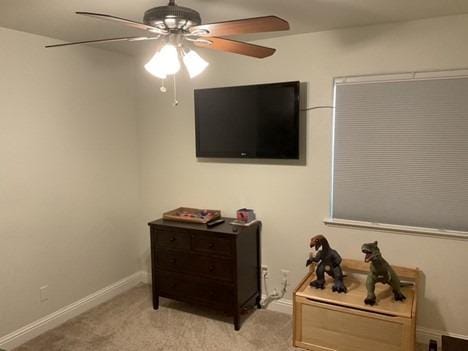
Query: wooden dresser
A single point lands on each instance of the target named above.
(216, 267)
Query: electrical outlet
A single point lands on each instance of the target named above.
(44, 293)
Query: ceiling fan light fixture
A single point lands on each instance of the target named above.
(194, 63)
(176, 24)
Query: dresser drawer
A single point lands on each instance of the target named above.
(212, 245)
(212, 267)
(217, 295)
(185, 287)
(172, 239)
(170, 283)
(173, 260)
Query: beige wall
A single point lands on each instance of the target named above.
(292, 200)
(68, 174)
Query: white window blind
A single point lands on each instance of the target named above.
(401, 153)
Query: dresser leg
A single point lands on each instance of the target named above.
(155, 301)
(237, 321)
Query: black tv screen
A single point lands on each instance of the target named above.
(253, 121)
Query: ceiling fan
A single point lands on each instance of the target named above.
(177, 24)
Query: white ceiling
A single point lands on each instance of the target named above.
(56, 18)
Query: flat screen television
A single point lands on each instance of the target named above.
(252, 121)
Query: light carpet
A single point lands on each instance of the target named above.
(129, 323)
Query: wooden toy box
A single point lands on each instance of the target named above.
(327, 321)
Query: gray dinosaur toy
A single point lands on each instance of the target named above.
(328, 262)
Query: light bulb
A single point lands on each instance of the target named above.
(194, 63)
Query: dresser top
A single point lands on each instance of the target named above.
(225, 228)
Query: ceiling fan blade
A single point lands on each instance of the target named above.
(98, 41)
(242, 26)
(237, 47)
(127, 22)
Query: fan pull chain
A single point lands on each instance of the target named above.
(175, 103)
(163, 89)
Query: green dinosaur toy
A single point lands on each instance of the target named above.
(380, 272)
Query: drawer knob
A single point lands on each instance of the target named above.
(211, 268)
(211, 245)
(172, 239)
(174, 260)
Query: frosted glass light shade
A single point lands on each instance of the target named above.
(155, 66)
(194, 63)
(170, 59)
(164, 62)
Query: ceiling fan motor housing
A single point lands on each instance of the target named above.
(172, 17)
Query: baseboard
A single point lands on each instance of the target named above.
(423, 335)
(57, 318)
(146, 277)
(281, 305)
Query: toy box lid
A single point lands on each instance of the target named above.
(355, 281)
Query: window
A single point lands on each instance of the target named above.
(400, 154)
